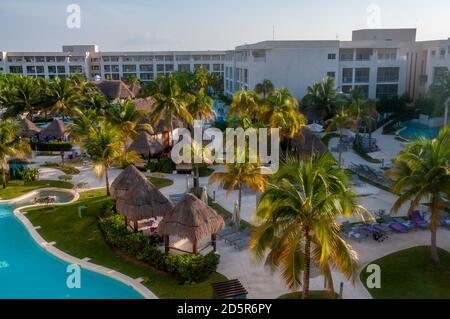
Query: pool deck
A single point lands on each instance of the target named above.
(83, 263)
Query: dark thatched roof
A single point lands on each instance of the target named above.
(145, 105)
(114, 89)
(143, 201)
(145, 146)
(192, 219)
(135, 88)
(306, 143)
(29, 129)
(144, 124)
(129, 177)
(162, 126)
(56, 129)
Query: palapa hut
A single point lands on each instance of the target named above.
(56, 130)
(192, 219)
(122, 184)
(144, 124)
(142, 201)
(146, 146)
(306, 144)
(29, 129)
(114, 89)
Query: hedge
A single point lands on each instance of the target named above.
(188, 268)
(52, 146)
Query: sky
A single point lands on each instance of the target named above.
(120, 25)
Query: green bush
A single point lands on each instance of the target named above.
(65, 178)
(162, 165)
(67, 169)
(188, 268)
(29, 174)
(52, 146)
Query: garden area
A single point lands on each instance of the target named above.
(82, 237)
(411, 274)
(18, 188)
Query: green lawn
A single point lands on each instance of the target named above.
(160, 182)
(17, 188)
(82, 238)
(313, 295)
(410, 274)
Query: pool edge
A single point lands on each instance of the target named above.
(124, 279)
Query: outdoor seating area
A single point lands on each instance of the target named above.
(371, 174)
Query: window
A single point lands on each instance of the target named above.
(51, 69)
(40, 69)
(76, 69)
(183, 57)
(331, 56)
(61, 69)
(347, 75)
(159, 58)
(95, 68)
(114, 59)
(184, 67)
(40, 59)
(245, 76)
(331, 75)
(160, 67)
(31, 70)
(129, 68)
(385, 91)
(114, 68)
(362, 75)
(388, 74)
(146, 76)
(442, 53)
(439, 73)
(205, 66)
(106, 58)
(346, 54)
(169, 68)
(146, 67)
(347, 89)
(50, 59)
(217, 67)
(28, 59)
(60, 58)
(107, 68)
(115, 76)
(168, 58)
(363, 54)
(364, 89)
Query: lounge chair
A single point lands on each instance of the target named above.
(239, 236)
(352, 232)
(232, 230)
(241, 244)
(382, 227)
(418, 219)
(445, 219)
(377, 234)
(395, 226)
(408, 223)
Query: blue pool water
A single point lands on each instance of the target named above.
(27, 271)
(415, 130)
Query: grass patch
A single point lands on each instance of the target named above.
(17, 188)
(159, 182)
(83, 238)
(67, 169)
(327, 137)
(410, 274)
(370, 181)
(313, 295)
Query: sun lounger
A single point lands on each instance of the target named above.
(395, 226)
(352, 232)
(418, 219)
(239, 236)
(407, 223)
(232, 230)
(242, 244)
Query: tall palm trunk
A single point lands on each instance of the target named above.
(4, 178)
(341, 139)
(307, 266)
(433, 229)
(107, 181)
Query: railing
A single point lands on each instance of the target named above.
(381, 79)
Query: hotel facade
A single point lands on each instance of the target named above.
(382, 62)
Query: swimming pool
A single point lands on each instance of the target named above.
(27, 271)
(415, 130)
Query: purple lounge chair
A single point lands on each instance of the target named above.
(395, 226)
(418, 219)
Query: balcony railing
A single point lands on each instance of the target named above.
(381, 79)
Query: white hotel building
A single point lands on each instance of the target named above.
(383, 62)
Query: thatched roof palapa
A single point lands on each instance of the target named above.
(145, 146)
(56, 129)
(306, 143)
(29, 129)
(143, 201)
(145, 104)
(114, 89)
(122, 184)
(192, 219)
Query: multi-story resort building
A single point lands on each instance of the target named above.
(382, 62)
(89, 61)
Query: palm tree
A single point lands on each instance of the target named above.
(246, 102)
(264, 88)
(365, 113)
(239, 174)
(83, 124)
(27, 96)
(298, 222)
(10, 146)
(62, 96)
(171, 102)
(126, 118)
(200, 105)
(322, 97)
(341, 120)
(281, 111)
(104, 145)
(422, 172)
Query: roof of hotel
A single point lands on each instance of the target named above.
(290, 44)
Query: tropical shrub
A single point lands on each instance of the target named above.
(67, 169)
(65, 178)
(162, 165)
(188, 268)
(29, 174)
(52, 146)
